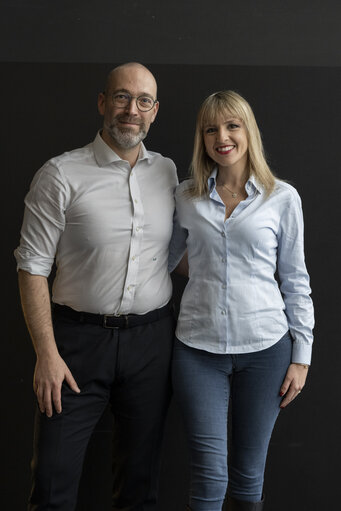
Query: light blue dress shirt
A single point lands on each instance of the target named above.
(233, 302)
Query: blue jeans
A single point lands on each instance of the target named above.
(203, 385)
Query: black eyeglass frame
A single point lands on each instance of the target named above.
(154, 101)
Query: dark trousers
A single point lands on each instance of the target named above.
(128, 368)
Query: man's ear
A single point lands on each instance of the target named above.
(101, 103)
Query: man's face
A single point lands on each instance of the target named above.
(125, 127)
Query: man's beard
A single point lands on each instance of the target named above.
(126, 138)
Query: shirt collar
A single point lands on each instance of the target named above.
(104, 155)
(144, 154)
(212, 179)
(252, 184)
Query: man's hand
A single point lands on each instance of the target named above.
(293, 383)
(49, 374)
(51, 370)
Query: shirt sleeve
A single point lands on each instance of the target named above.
(294, 279)
(44, 221)
(177, 245)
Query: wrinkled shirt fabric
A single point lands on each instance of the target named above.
(106, 225)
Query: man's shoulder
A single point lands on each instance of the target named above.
(183, 188)
(158, 157)
(59, 168)
(167, 166)
(78, 155)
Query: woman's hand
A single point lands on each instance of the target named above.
(293, 383)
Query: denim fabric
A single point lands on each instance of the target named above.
(204, 385)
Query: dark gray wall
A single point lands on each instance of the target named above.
(244, 32)
(284, 59)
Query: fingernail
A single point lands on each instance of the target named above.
(281, 393)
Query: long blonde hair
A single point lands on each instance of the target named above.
(202, 165)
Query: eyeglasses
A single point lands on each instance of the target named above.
(143, 103)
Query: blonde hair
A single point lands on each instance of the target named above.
(202, 165)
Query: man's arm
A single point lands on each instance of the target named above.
(50, 370)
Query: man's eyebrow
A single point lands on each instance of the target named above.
(116, 91)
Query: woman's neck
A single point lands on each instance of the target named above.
(233, 178)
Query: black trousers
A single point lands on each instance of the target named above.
(128, 368)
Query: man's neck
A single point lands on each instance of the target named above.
(129, 155)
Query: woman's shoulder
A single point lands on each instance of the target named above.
(286, 190)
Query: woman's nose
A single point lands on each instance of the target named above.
(222, 135)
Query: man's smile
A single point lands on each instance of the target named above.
(128, 121)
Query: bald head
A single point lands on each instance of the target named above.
(132, 71)
(126, 125)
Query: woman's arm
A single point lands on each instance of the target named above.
(182, 268)
(294, 279)
(295, 288)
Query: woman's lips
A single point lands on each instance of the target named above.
(226, 149)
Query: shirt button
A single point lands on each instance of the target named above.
(129, 288)
(133, 258)
(136, 201)
(223, 312)
(224, 286)
(223, 234)
(138, 228)
(223, 260)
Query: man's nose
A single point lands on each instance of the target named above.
(131, 107)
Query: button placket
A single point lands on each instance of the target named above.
(135, 245)
(224, 273)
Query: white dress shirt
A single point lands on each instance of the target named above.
(232, 302)
(107, 226)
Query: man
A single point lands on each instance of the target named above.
(104, 213)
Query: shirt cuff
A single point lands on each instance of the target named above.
(301, 353)
(35, 265)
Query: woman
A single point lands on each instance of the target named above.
(242, 333)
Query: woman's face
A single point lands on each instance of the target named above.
(226, 142)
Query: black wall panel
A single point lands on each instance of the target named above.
(284, 57)
(50, 108)
(244, 32)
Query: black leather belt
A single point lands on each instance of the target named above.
(112, 320)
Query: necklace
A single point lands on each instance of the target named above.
(234, 194)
